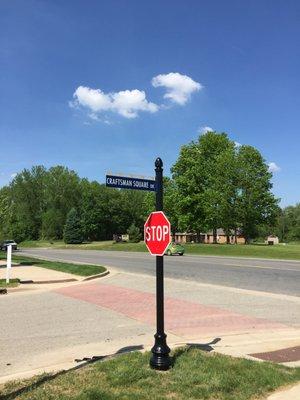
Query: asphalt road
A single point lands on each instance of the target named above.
(273, 276)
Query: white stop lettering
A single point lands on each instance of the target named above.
(157, 233)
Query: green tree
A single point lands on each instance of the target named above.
(106, 211)
(225, 184)
(134, 234)
(256, 203)
(222, 186)
(93, 209)
(170, 203)
(37, 202)
(26, 203)
(204, 188)
(131, 209)
(289, 223)
(62, 192)
(5, 213)
(73, 229)
(100, 211)
(51, 224)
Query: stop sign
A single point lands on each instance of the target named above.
(157, 233)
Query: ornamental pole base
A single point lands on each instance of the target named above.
(160, 353)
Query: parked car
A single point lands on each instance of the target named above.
(175, 248)
(3, 245)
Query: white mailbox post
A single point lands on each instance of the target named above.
(8, 262)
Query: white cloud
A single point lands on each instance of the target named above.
(204, 129)
(273, 167)
(94, 99)
(237, 144)
(127, 103)
(179, 87)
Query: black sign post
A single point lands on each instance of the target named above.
(160, 351)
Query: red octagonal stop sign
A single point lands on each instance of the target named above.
(157, 233)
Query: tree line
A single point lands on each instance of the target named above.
(37, 202)
(214, 184)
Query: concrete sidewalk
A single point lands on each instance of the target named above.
(27, 273)
(84, 319)
(291, 393)
(247, 322)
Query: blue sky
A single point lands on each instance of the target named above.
(150, 76)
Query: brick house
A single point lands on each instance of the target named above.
(190, 237)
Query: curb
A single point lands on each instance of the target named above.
(50, 281)
(89, 278)
(31, 282)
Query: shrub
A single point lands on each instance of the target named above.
(73, 230)
(134, 234)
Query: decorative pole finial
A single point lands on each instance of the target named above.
(158, 163)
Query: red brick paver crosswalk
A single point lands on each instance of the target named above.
(182, 317)
(283, 355)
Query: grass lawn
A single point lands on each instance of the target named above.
(287, 252)
(60, 244)
(195, 375)
(12, 283)
(76, 269)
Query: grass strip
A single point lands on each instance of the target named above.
(76, 269)
(12, 283)
(288, 252)
(60, 244)
(195, 375)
